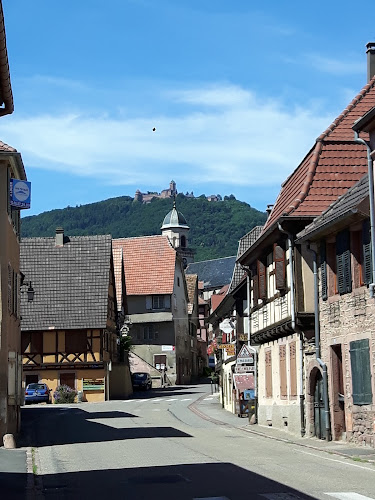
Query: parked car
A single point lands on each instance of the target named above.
(36, 393)
(142, 381)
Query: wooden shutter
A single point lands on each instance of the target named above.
(323, 270)
(279, 260)
(262, 278)
(268, 374)
(167, 301)
(255, 286)
(361, 372)
(283, 384)
(343, 258)
(366, 256)
(356, 248)
(293, 369)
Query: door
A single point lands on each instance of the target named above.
(319, 416)
(339, 426)
(68, 379)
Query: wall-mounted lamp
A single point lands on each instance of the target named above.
(30, 290)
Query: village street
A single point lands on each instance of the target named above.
(154, 445)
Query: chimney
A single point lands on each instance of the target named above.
(370, 60)
(269, 209)
(59, 238)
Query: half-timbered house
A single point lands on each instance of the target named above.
(69, 330)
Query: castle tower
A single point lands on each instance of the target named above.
(172, 188)
(176, 228)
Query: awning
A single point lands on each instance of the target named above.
(242, 381)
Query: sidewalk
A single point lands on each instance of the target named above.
(14, 477)
(210, 407)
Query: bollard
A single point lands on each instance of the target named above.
(9, 441)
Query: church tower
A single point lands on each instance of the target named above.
(176, 228)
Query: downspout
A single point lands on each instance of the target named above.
(358, 140)
(317, 343)
(294, 327)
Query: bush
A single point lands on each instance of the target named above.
(64, 394)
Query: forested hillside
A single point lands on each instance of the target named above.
(215, 227)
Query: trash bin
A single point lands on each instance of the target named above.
(79, 396)
(252, 410)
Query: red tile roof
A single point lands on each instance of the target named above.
(217, 298)
(7, 148)
(149, 264)
(333, 165)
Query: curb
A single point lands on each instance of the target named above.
(193, 407)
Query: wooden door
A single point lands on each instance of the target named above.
(68, 379)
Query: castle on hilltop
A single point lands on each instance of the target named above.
(168, 193)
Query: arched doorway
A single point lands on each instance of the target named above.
(319, 414)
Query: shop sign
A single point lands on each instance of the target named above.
(167, 348)
(20, 193)
(242, 337)
(230, 350)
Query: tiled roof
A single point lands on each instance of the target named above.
(244, 243)
(149, 263)
(70, 282)
(5, 84)
(340, 208)
(217, 298)
(7, 148)
(214, 273)
(332, 166)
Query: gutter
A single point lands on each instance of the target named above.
(358, 140)
(317, 344)
(294, 327)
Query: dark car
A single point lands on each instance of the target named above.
(36, 393)
(142, 381)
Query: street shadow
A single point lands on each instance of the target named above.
(13, 485)
(183, 482)
(59, 426)
(161, 393)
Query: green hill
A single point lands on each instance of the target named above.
(215, 227)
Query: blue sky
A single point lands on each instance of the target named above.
(237, 91)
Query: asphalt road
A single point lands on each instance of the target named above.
(154, 446)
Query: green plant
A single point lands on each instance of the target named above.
(64, 394)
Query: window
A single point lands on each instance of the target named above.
(331, 265)
(178, 281)
(183, 241)
(355, 245)
(262, 280)
(361, 372)
(323, 271)
(366, 253)
(293, 369)
(150, 333)
(343, 258)
(158, 302)
(279, 260)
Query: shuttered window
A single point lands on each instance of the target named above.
(361, 372)
(331, 268)
(268, 374)
(255, 282)
(293, 369)
(279, 260)
(323, 271)
(356, 248)
(262, 279)
(343, 257)
(366, 253)
(283, 384)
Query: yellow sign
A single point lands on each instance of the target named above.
(242, 337)
(230, 349)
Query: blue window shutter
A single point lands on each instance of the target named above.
(323, 270)
(361, 372)
(366, 256)
(343, 262)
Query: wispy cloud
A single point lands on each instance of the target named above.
(234, 137)
(335, 66)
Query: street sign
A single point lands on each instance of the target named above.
(226, 326)
(245, 356)
(243, 368)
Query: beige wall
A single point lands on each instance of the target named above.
(10, 333)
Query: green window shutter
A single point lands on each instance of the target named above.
(366, 256)
(361, 372)
(323, 270)
(343, 263)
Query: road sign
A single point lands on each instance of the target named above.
(246, 355)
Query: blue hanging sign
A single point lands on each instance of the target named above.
(20, 193)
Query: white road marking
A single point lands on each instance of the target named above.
(333, 460)
(208, 399)
(189, 399)
(157, 400)
(156, 409)
(349, 495)
(171, 399)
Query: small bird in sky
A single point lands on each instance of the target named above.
(154, 129)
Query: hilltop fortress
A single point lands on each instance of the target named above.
(171, 192)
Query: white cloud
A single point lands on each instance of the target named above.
(335, 66)
(228, 135)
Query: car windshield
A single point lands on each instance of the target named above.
(140, 376)
(36, 386)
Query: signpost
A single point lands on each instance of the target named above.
(246, 365)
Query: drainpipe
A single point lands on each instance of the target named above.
(317, 343)
(358, 140)
(294, 327)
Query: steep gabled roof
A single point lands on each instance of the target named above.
(214, 273)
(332, 166)
(6, 95)
(71, 282)
(149, 264)
(345, 206)
(244, 243)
